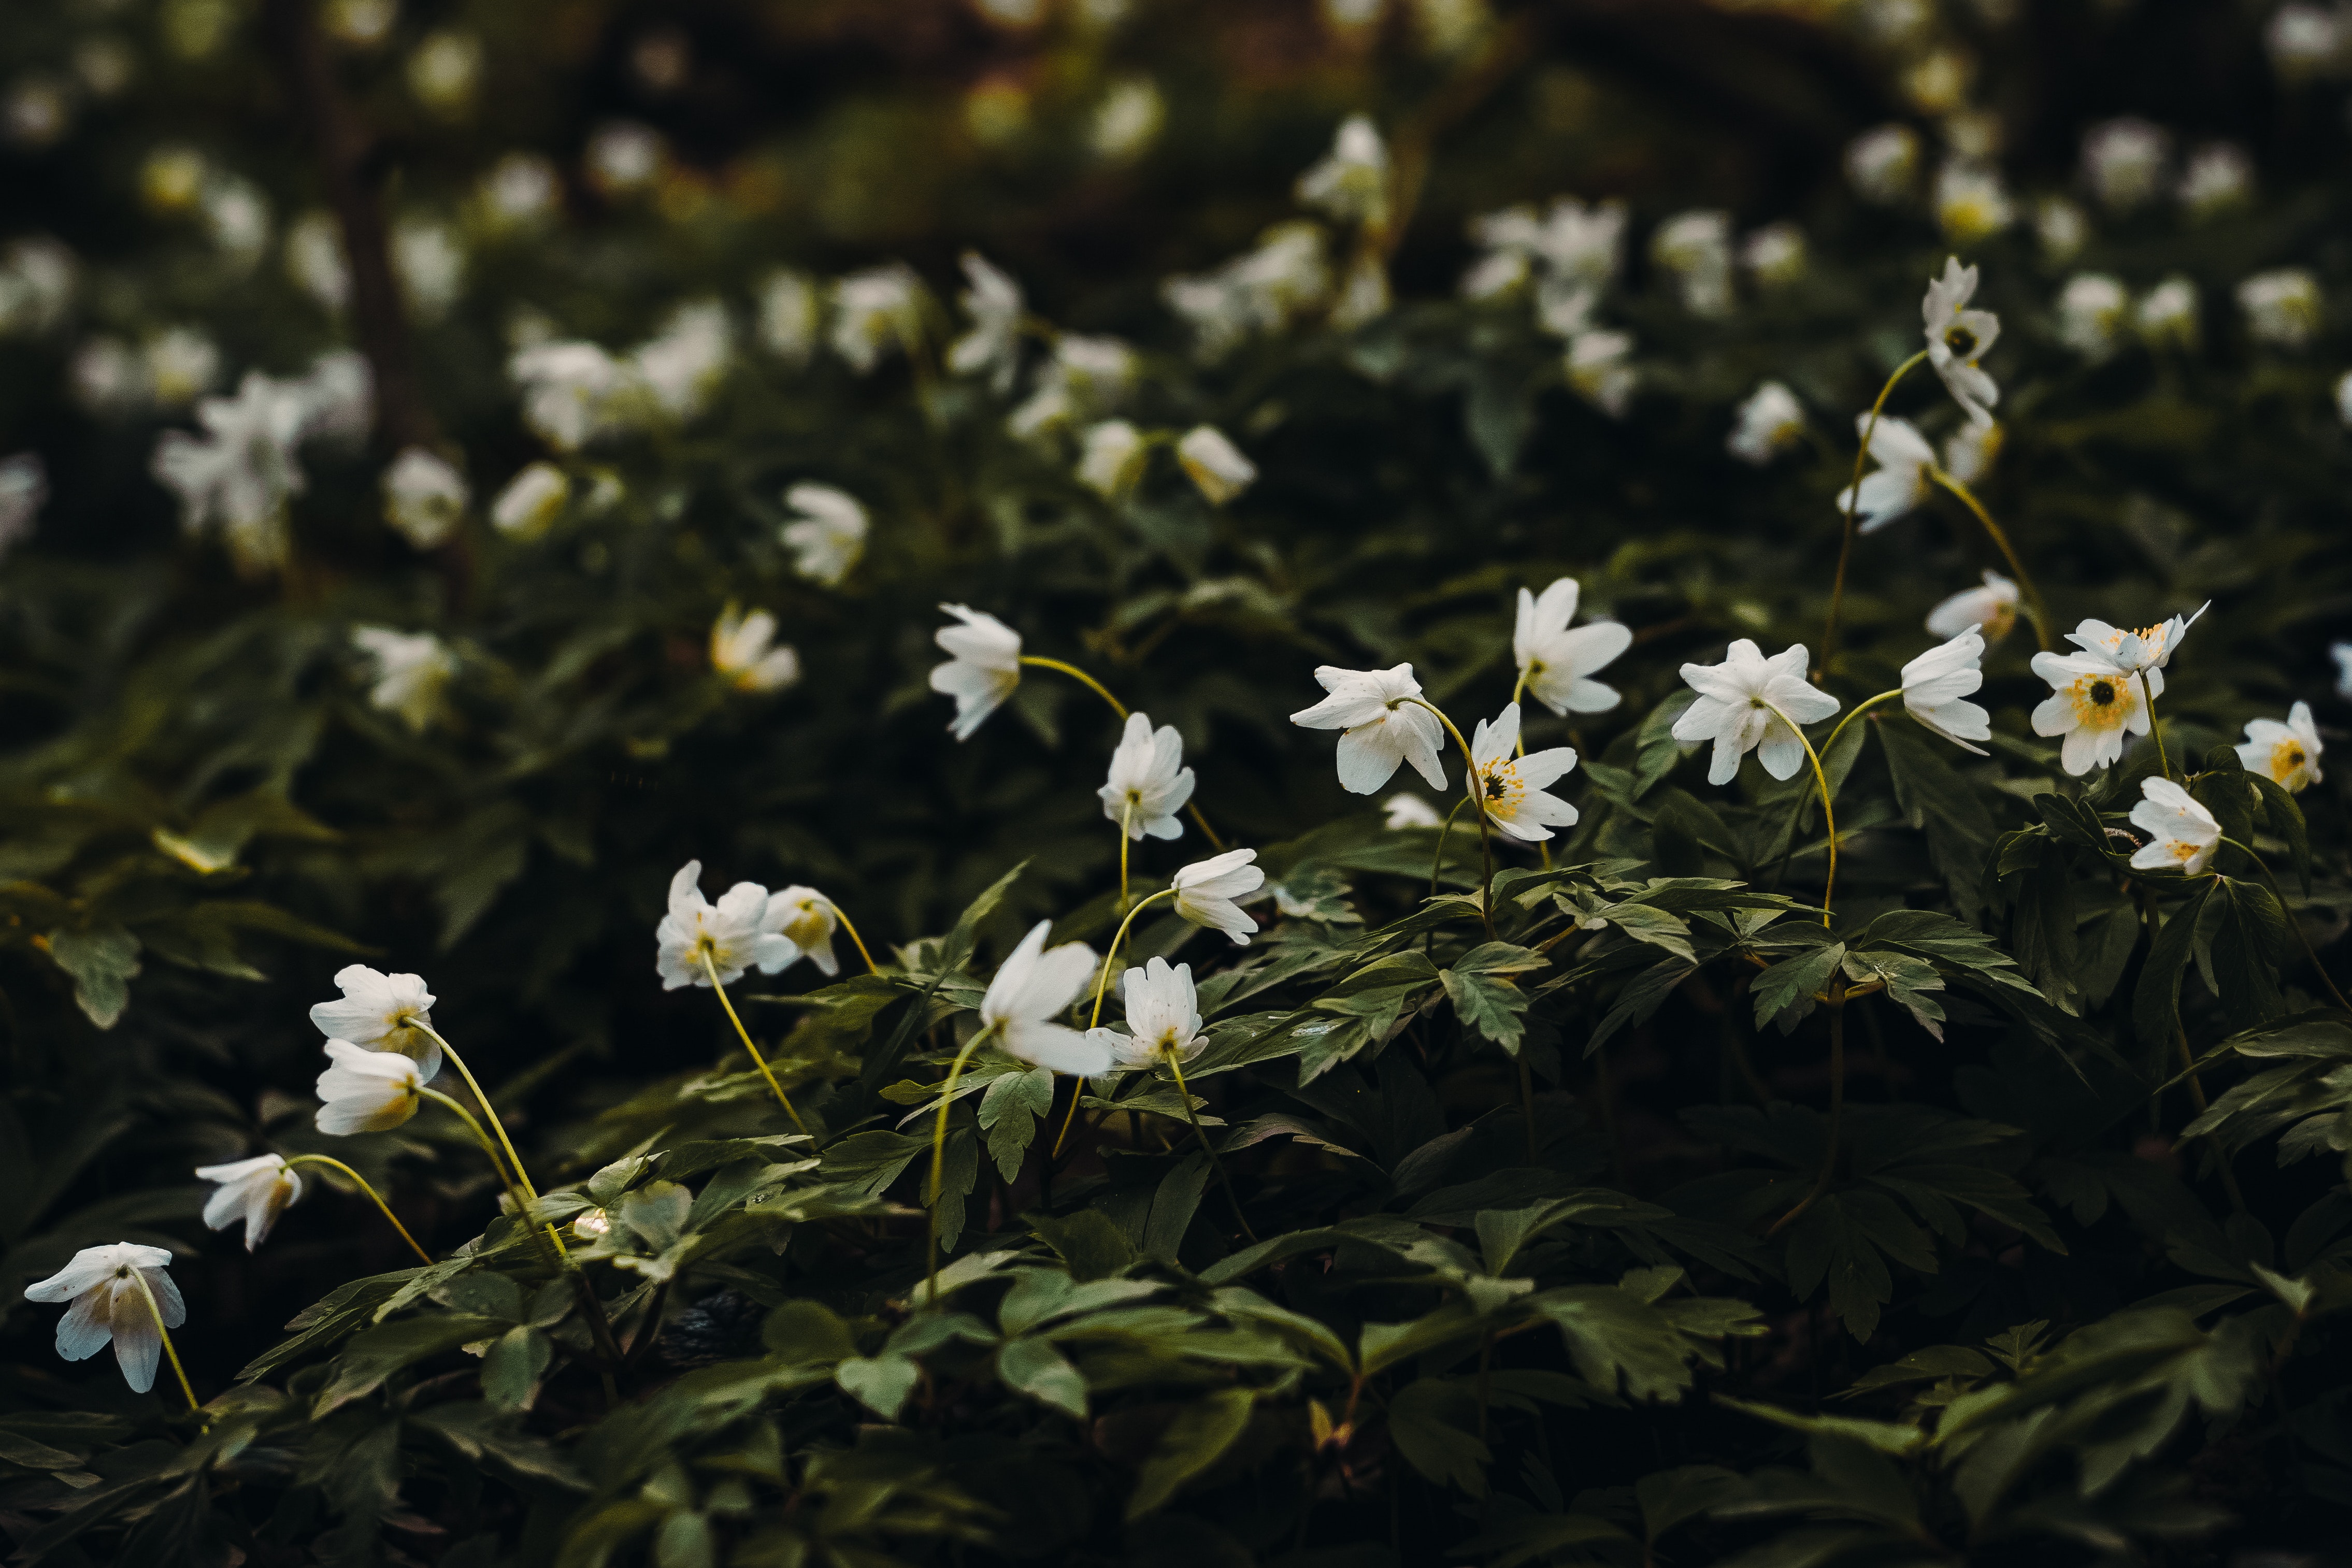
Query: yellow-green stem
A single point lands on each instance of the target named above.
(711, 968)
(1437, 861)
(1477, 791)
(2155, 730)
(374, 1196)
(1126, 817)
(939, 1161)
(1185, 1094)
(1828, 818)
(487, 1111)
(1080, 676)
(2008, 551)
(1102, 984)
(856, 940)
(1854, 499)
(1856, 712)
(156, 1307)
(1543, 846)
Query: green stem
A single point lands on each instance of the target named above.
(1829, 819)
(856, 940)
(484, 1101)
(939, 1163)
(2147, 701)
(156, 1307)
(1083, 678)
(374, 1196)
(710, 967)
(1216, 1164)
(2008, 551)
(1102, 984)
(1437, 861)
(1476, 789)
(1124, 818)
(1856, 712)
(1854, 499)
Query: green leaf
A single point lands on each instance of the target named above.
(1490, 1007)
(1785, 990)
(881, 1383)
(374, 1355)
(1195, 1440)
(2156, 1001)
(101, 962)
(513, 1367)
(1941, 805)
(1008, 1113)
(1088, 1242)
(805, 1331)
(1432, 1423)
(1034, 1367)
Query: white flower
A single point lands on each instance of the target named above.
(827, 534)
(2091, 702)
(109, 1306)
(383, 1012)
(2061, 228)
(744, 930)
(443, 71)
(1697, 248)
(532, 500)
(1163, 1018)
(2184, 835)
(1351, 184)
(874, 310)
(1407, 809)
(624, 158)
(2286, 754)
(1736, 709)
(1288, 276)
(2282, 307)
(2344, 397)
(1208, 893)
(1577, 249)
(24, 489)
(1380, 727)
(683, 365)
(107, 378)
(239, 475)
(1881, 164)
(741, 654)
(1557, 663)
(1128, 120)
(1971, 202)
(429, 260)
(338, 397)
(789, 313)
(2168, 314)
(1957, 337)
(1991, 609)
(1898, 484)
(1215, 463)
(2142, 652)
(1968, 451)
(2123, 162)
(257, 1191)
(366, 1090)
(1364, 293)
(1775, 255)
(2220, 175)
(1089, 375)
(520, 190)
(1770, 423)
(1512, 789)
(807, 919)
(1149, 783)
(569, 391)
(181, 365)
(1936, 687)
(993, 344)
(1598, 371)
(2303, 41)
(423, 497)
(1030, 987)
(1113, 457)
(411, 669)
(983, 667)
(2342, 653)
(314, 260)
(2091, 310)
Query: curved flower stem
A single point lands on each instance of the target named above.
(374, 1196)
(1102, 984)
(2280, 894)
(497, 1162)
(858, 942)
(1437, 861)
(744, 1034)
(1124, 839)
(1854, 499)
(1185, 1094)
(1080, 676)
(2008, 551)
(156, 1309)
(1485, 829)
(1829, 819)
(939, 1161)
(1837, 1108)
(1855, 712)
(2147, 699)
(484, 1101)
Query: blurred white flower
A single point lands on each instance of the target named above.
(255, 1191)
(1288, 276)
(110, 1307)
(1969, 451)
(1573, 251)
(744, 930)
(1086, 377)
(1351, 184)
(625, 158)
(2305, 41)
(1556, 662)
(1770, 423)
(532, 500)
(239, 475)
(569, 391)
(742, 653)
(36, 110)
(520, 190)
(1208, 893)
(37, 276)
(982, 669)
(1749, 703)
(1898, 484)
(105, 65)
(1512, 789)
(2282, 307)
(807, 919)
(1407, 809)
(1971, 202)
(171, 179)
(2167, 315)
(1363, 291)
(443, 73)
(2145, 652)
(1149, 782)
(1599, 372)
(429, 259)
(2124, 162)
(1776, 254)
(1113, 458)
(383, 1012)
(1696, 247)
(2344, 397)
(108, 378)
(684, 363)
(1128, 120)
(410, 670)
(2093, 704)
(1957, 337)
(993, 346)
(2092, 308)
(1991, 609)
(827, 533)
(1163, 1018)
(875, 310)
(24, 490)
(1379, 728)
(2062, 229)
(365, 1091)
(359, 22)
(1030, 988)
(2286, 754)
(314, 259)
(338, 397)
(789, 311)
(1938, 683)
(2219, 176)
(2183, 833)
(423, 497)
(1883, 164)
(181, 365)
(2342, 653)
(1215, 463)
(236, 219)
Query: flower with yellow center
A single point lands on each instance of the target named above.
(1959, 337)
(807, 919)
(2286, 754)
(743, 652)
(1991, 609)
(2183, 834)
(2145, 652)
(1511, 789)
(2093, 704)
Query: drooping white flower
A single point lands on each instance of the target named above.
(410, 670)
(2183, 833)
(1163, 1018)
(1883, 164)
(1556, 662)
(1380, 726)
(2282, 307)
(2093, 704)
(2219, 176)
(2123, 162)
(24, 490)
(875, 310)
(2286, 754)
(1511, 789)
(1748, 703)
(1208, 893)
(807, 919)
(827, 533)
(108, 1307)
(744, 653)
(257, 1191)
(683, 365)
(1938, 683)
(240, 474)
(982, 669)
(1969, 451)
(423, 497)
(1598, 371)
(1030, 988)
(1957, 337)
(1770, 423)
(2090, 312)
(1149, 782)
(1697, 248)
(1089, 376)
(2142, 652)
(1991, 609)
(2167, 315)
(383, 1012)
(1971, 202)
(744, 930)
(1898, 484)
(1775, 255)
(1407, 809)
(1215, 463)
(364, 1091)
(993, 346)
(532, 501)
(1112, 458)
(570, 390)
(790, 310)
(1351, 184)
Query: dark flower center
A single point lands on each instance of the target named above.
(1494, 786)
(1961, 340)
(2102, 692)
